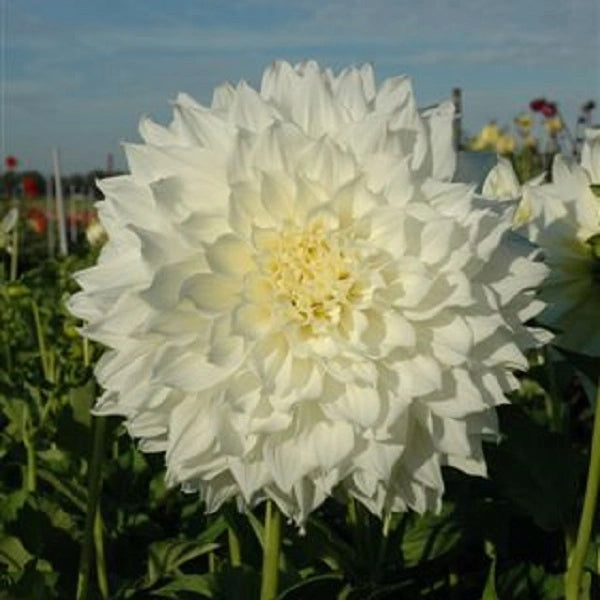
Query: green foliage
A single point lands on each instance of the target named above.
(496, 538)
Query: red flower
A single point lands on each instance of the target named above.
(30, 187)
(37, 220)
(538, 104)
(11, 162)
(549, 110)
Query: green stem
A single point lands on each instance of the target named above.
(233, 540)
(86, 352)
(40, 339)
(14, 256)
(31, 473)
(100, 560)
(554, 403)
(94, 487)
(271, 549)
(235, 552)
(7, 355)
(577, 558)
(383, 543)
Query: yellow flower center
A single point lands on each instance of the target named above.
(312, 273)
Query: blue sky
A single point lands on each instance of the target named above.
(80, 73)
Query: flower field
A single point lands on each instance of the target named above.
(293, 357)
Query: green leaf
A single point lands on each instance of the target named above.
(81, 400)
(324, 542)
(15, 410)
(526, 581)
(70, 489)
(595, 187)
(326, 585)
(198, 584)
(536, 469)
(429, 536)
(257, 527)
(165, 557)
(489, 592)
(13, 553)
(213, 531)
(11, 504)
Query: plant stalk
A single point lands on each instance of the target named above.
(14, 255)
(31, 471)
(100, 559)
(235, 552)
(94, 487)
(578, 556)
(40, 339)
(271, 549)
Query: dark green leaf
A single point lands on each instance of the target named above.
(326, 585)
(198, 584)
(534, 468)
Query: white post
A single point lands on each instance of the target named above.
(60, 208)
(50, 220)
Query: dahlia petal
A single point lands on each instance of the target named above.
(156, 135)
(441, 124)
(149, 163)
(211, 292)
(332, 443)
(277, 194)
(359, 404)
(223, 96)
(351, 94)
(251, 320)
(189, 371)
(393, 93)
(206, 127)
(229, 255)
(313, 107)
(327, 164)
(249, 110)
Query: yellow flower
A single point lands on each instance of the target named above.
(505, 144)
(553, 125)
(530, 141)
(524, 122)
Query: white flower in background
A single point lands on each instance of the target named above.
(590, 154)
(565, 222)
(95, 233)
(502, 184)
(296, 299)
(6, 226)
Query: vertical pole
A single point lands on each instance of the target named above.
(51, 223)
(457, 126)
(72, 215)
(60, 208)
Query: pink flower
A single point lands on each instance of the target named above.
(549, 110)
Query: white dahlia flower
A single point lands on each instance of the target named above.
(564, 220)
(297, 301)
(9, 220)
(503, 184)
